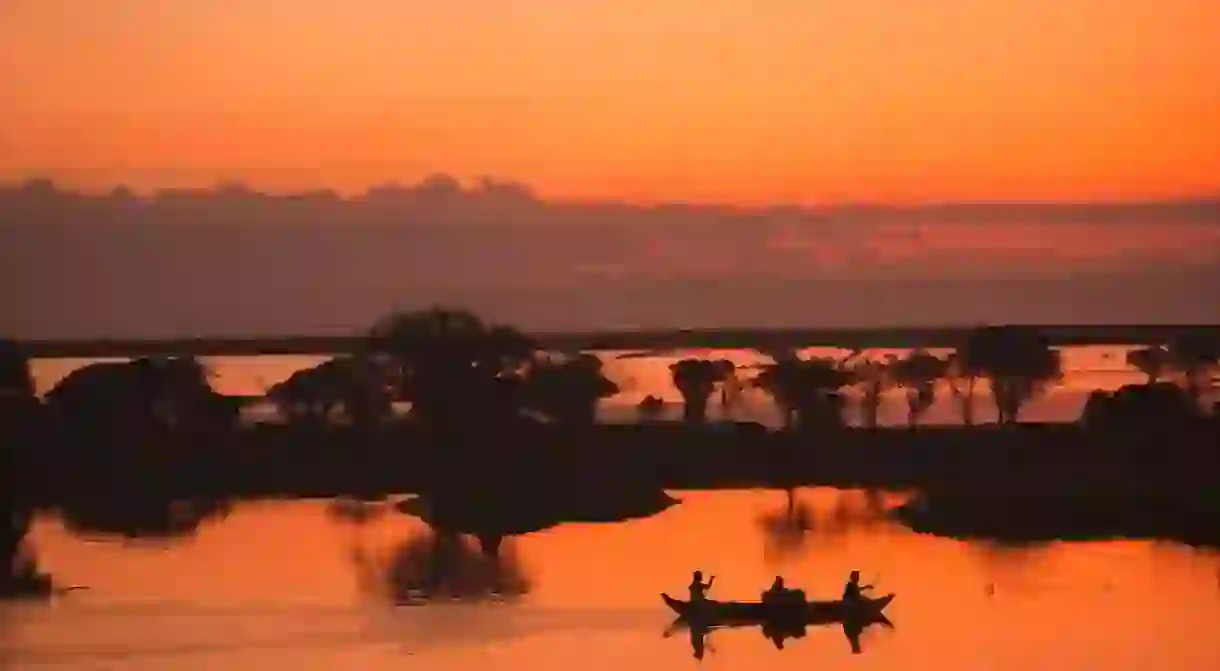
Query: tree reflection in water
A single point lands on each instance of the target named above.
(785, 532)
(140, 517)
(435, 566)
(788, 532)
(1012, 568)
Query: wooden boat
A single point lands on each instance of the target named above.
(713, 613)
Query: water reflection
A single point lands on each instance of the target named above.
(799, 526)
(776, 632)
(440, 566)
(135, 517)
(274, 585)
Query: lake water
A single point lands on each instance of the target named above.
(1086, 368)
(277, 586)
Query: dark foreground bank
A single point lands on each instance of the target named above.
(277, 460)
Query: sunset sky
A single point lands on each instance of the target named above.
(704, 100)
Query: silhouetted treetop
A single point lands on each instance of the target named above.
(566, 390)
(1151, 361)
(1018, 361)
(451, 336)
(806, 390)
(696, 379)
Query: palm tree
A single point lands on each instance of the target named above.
(567, 391)
(1151, 361)
(1017, 361)
(696, 379)
(918, 373)
(454, 365)
(806, 390)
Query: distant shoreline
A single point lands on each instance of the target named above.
(1062, 335)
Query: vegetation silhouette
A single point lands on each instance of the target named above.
(918, 374)
(358, 386)
(1152, 361)
(807, 391)
(872, 377)
(1196, 357)
(113, 398)
(566, 391)
(20, 576)
(454, 365)
(1017, 361)
(697, 380)
(501, 439)
(491, 518)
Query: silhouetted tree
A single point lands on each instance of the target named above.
(1151, 361)
(871, 377)
(18, 414)
(963, 381)
(1017, 361)
(456, 367)
(125, 396)
(1195, 355)
(15, 377)
(1140, 407)
(696, 379)
(567, 391)
(354, 383)
(806, 390)
(918, 373)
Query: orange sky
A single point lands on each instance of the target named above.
(683, 99)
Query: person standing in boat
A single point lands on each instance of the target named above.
(698, 590)
(852, 591)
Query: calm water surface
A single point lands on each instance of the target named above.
(1087, 368)
(277, 586)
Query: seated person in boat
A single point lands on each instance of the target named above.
(698, 589)
(853, 590)
(778, 594)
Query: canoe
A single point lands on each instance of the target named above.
(755, 612)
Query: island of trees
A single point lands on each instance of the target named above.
(502, 438)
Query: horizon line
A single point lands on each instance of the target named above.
(473, 186)
(625, 339)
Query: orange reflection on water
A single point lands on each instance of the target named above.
(286, 568)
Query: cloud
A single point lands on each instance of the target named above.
(235, 260)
